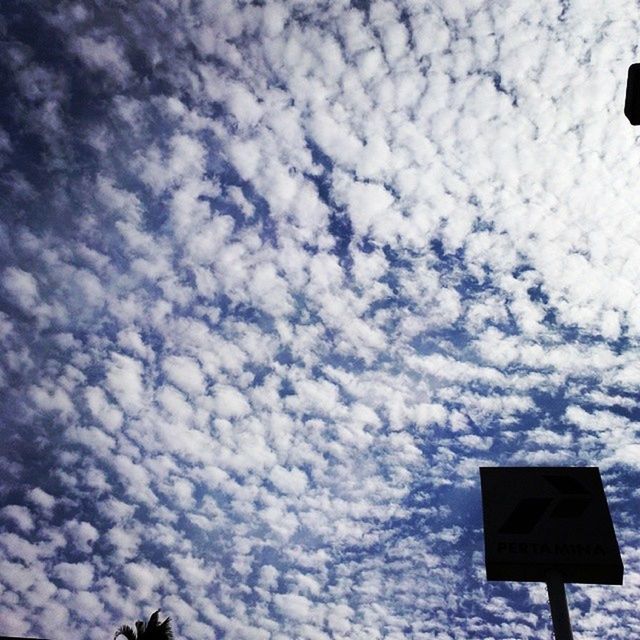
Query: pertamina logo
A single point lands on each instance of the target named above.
(537, 518)
(570, 502)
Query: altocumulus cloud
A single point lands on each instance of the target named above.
(277, 277)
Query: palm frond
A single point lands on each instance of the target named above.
(165, 628)
(141, 627)
(153, 620)
(152, 630)
(159, 632)
(126, 631)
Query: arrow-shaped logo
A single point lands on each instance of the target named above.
(571, 502)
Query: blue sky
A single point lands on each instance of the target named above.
(276, 278)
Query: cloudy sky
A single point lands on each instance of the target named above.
(276, 278)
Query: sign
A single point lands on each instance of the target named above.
(541, 519)
(632, 99)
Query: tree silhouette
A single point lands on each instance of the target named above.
(152, 630)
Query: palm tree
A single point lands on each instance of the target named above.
(152, 630)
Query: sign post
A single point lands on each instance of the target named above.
(552, 525)
(558, 605)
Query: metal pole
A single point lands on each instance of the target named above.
(559, 608)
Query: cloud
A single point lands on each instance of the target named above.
(21, 287)
(293, 605)
(41, 498)
(288, 481)
(109, 416)
(143, 577)
(106, 55)
(230, 403)
(83, 535)
(185, 373)
(19, 515)
(277, 279)
(124, 381)
(75, 575)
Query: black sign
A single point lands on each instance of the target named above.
(632, 99)
(538, 519)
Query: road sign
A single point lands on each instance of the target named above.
(543, 519)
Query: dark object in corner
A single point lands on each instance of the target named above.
(632, 101)
(542, 519)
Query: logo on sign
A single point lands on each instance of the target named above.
(570, 502)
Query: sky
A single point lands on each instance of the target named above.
(276, 278)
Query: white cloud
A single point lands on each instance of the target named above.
(21, 287)
(229, 402)
(135, 479)
(317, 268)
(56, 400)
(125, 544)
(104, 55)
(144, 577)
(185, 373)
(83, 535)
(293, 605)
(628, 455)
(175, 403)
(193, 570)
(19, 516)
(109, 416)
(119, 200)
(370, 205)
(41, 498)
(124, 381)
(17, 547)
(288, 480)
(269, 290)
(246, 157)
(78, 576)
